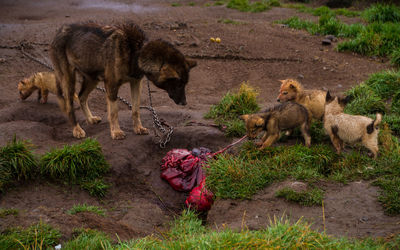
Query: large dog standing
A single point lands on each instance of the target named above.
(118, 55)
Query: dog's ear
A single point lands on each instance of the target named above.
(22, 82)
(191, 63)
(292, 87)
(244, 117)
(167, 72)
(282, 81)
(328, 98)
(260, 122)
(347, 99)
(344, 101)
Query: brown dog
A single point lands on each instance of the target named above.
(44, 82)
(117, 55)
(313, 100)
(286, 116)
(347, 128)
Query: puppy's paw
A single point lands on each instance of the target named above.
(117, 135)
(258, 144)
(94, 120)
(78, 132)
(141, 130)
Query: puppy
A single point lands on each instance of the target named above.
(347, 128)
(286, 116)
(44, 82)
(313, 100)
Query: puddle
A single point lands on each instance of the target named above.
(110, 5)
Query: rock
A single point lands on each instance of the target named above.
(178, 43)
(300, 76)
(332, 38)
(326, 42)
(340, 85)
(2, 60)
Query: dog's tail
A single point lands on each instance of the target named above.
(374, 124)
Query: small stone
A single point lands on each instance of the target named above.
(332, 38)
(178, 43)
(324, 68)
(340, 85)
(2, 60)
(147, 172)
(326, 42)
(325, 89)
(300, 76)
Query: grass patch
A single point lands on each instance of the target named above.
(176, 4)
(8, 211)
(38, 236)
(82, 164)
(395, 57)
(17, 162)
(188, 233)
(378, 38)
(88, 239)
(306, 198)
(252, 6)
(323, 10)
(86, 208)
(226, 113)
(382, 13)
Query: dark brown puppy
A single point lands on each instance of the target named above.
(117, 55)
(288, 115)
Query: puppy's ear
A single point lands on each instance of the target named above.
(167, 72)
(328, 98)
(293, 87)
(191, 63)
(347, 99)
(282, 81)
(244, 117)
(260, 122)
(343, 101)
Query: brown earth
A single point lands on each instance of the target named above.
(139, 203)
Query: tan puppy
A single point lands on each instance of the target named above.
(284, 116)
(313, 100)
(44, 82)
(347, 128)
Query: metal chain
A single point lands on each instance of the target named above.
(157, 123)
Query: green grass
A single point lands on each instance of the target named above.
(86, 208)
(8, 211)
(187, 232)
(306, 198)
(226, 113)
(252, 6)
(377, 38)
(17, 162)
(38, 236)
(88, 239)
(382, 13)
(176, 4)
(323, 10)
(395, 57)
(82, 164)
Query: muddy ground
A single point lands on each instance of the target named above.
(139, 203)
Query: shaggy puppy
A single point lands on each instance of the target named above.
(347, 128)
(288, 115)
(313, 100)
(44, 82)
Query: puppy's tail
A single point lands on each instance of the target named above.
(374, 124)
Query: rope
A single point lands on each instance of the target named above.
(161, 125)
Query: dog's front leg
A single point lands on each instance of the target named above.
(135, 99)
(270, 140)
(112, 110)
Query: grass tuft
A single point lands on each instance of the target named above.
(82, 164)
(306, 198)
(17, 162)
(253, 6)
(382, 13)
(86, 208)
(38, 236)
(88, 239)
(8, 211)
(232, 105)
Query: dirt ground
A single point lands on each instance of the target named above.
(139, 203)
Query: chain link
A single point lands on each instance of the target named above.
(157, 123)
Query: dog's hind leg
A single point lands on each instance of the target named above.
(88, 85)
(135, 98)
(270, 140)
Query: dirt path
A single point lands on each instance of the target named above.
(139, 202)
